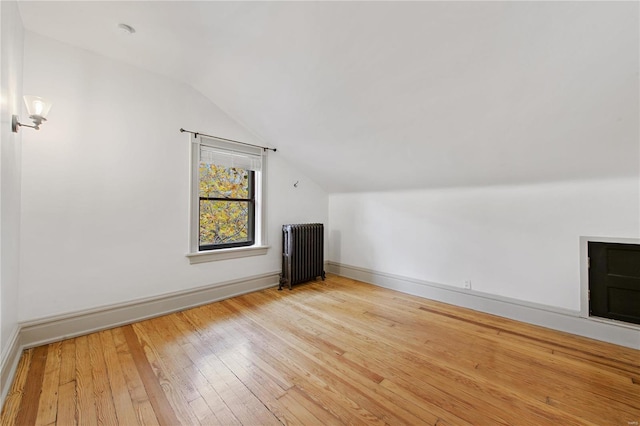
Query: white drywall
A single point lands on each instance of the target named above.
(11, 47)
(521, 242)
(105, 190)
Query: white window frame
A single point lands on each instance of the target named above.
(260, 245)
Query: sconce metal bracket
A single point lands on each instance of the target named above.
(14, 123)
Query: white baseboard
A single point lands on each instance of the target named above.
(546, 316)
(9, 363)
(59, 327)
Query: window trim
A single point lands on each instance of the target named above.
(260, 244)
(225, 254)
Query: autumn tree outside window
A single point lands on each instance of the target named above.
(226, 194)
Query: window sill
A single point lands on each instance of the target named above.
(224, 254)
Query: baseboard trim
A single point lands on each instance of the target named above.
(59, 327)
(9, 363)
(546, 316)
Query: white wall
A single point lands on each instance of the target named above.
(106, 185)
(11, 48)
(520, 241)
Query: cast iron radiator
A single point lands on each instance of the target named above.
(302, 253)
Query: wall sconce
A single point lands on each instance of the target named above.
(38, 108)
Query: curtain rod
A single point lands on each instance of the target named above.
(225, 139)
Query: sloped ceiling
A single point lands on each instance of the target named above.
(368, 96)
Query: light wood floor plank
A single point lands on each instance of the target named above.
(15, 394)
(48, 405)
(161, 334)
(298, 398)
(86, 404)
(103, 397)
(152, 385)
(139, 398)
(28, 411)
(66, 410)
(328, 352)
(68, 361)
(297, 414)
(245, 405)
(166, 376)
(123, 404)
(203, 412)
(203, 351)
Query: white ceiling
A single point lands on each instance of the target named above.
(370, 96)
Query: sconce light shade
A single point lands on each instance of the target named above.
(37, 107)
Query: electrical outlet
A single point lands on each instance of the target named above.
(467, 284)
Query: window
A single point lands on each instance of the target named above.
(227, 206)
(226, 192)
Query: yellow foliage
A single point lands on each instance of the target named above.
(223, 221)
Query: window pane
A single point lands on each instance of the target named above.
(224, 222)
(221, 182)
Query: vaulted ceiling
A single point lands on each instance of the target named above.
(370, 96)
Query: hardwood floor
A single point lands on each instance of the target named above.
(331, 352)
